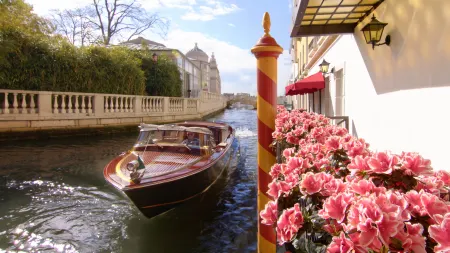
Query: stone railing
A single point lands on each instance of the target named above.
(27, 108)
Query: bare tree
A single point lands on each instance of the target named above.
(74, 25)
(119, 17)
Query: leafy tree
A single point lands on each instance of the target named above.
(16, 14)
(162, 78)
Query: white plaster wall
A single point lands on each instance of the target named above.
(398, 96)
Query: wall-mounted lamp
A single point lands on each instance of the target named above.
(324, 66)
(373, 32)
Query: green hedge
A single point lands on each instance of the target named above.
(32, 58)
(52, 64)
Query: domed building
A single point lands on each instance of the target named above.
(209, 77)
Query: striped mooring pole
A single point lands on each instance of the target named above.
(266, 52)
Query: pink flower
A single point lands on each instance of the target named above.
(269, 214)
(356, 147)
(382, 163)
(292, 164)
(334, 186)
(276, 170)
(333, 143)
(276, 188)
(415, 165)
(441, 234)
(291, 220)
(362, 187)
(412, 239)
(432, 204)
(311, 183)
(389, 227)
(444, 176)
(334, 207)
(288, 152)
(332, 227)
(340, 244)
(359, 165)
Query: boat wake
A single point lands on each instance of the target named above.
(243, 132)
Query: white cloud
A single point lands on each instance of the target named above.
(180, 4)
(232, 25)
(206, 13)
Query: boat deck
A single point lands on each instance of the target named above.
(158, 163)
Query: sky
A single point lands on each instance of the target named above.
(229, 28)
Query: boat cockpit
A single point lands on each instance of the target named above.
(177, 139)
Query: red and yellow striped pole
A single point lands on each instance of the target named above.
(266, 52)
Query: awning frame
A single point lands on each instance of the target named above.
(348, 24)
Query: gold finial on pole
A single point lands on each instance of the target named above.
(266, 23)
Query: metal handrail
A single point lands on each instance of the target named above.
(343, 119)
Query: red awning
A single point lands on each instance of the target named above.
(310, 84)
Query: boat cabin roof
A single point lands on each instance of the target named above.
(152, 127)
(218, 125)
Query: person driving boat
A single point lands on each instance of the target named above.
(190, 140)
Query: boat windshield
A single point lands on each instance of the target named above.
(172, 137)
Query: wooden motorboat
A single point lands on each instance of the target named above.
(170, 164)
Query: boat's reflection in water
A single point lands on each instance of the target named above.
(54, 198)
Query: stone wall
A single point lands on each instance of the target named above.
(30, 111)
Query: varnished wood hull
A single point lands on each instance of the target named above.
(155, 198)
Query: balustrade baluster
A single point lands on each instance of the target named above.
(131, 104)
(15, 110)
(109, 103)
(32, 104)
(53, 102)
(21, 103)
(92, 99)
(88, 105)
(5, 104)
(82, 105)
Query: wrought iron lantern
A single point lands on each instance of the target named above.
(373, 32)
(324, 66)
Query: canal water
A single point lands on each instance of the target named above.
(53, 198)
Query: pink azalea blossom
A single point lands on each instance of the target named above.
(340, 244)
(333, 143)
(311, 183)
(415, 165)
(362, 187)
(382, 163)
(444, 176)
(335, 206)
(359, 165)
(277, 188)
(441, 234)
(334, 186)
(290, 221)
(276, 170)
(269, 214)
(412, 239)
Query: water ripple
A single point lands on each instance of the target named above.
(54, 199)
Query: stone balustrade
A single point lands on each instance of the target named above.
(24, 110)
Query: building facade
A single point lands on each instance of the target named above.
(196, 72)
(394, 94)
(210, 77)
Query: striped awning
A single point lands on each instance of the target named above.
(325, 17)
